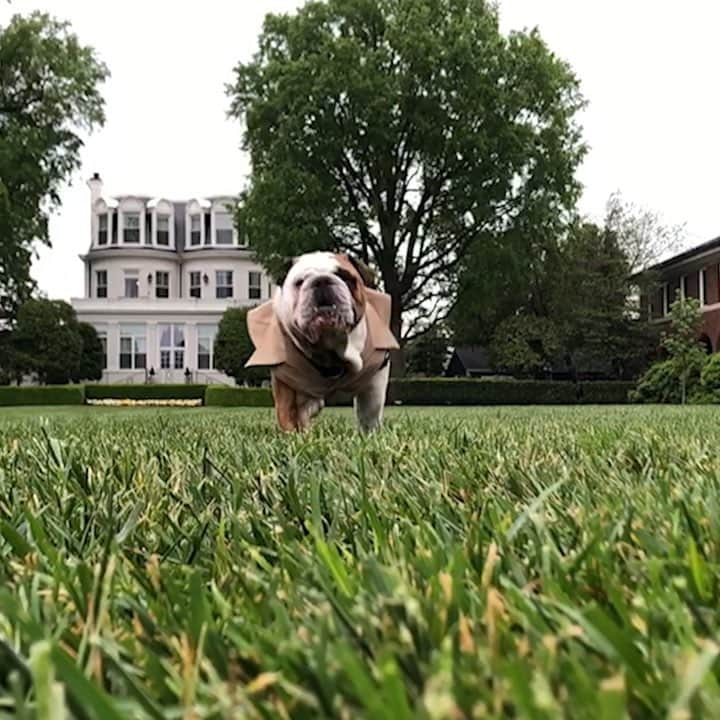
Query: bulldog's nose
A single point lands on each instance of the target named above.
(322, 281)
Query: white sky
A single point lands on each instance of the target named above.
(647, 67)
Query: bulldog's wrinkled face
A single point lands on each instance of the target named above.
(322, 299)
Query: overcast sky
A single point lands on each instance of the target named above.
(648, 69)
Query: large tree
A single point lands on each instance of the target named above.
(48, 341)
(405, 132)
(48, 97)
(233, 348)
(92, 358)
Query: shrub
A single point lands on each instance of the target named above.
(223, 396)
(605, 393)
(480, 392)
(42, 395)
(145, 392)
(660, 384)
(710, 374)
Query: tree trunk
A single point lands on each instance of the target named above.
(397, 358)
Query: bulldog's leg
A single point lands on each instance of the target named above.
(369, 403)
(286, 410)
(308, 407)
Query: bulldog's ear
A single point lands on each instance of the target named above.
(281, 268)
(368, 276)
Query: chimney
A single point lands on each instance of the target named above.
(96, 187)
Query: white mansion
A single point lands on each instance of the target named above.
(158, 276)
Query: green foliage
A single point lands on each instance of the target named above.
(427, 355)
(658, 385)
(581, 279)
(614, 392)
(710, 375)
(48, 97)
(525, 344)
(233, 348)
(406, 132)
(238, 397)
(42, 395)
(525, 562)
(47, 341)
(481, 392)
(148, 391)
(679, 377)
(683, 346)
(93, 355)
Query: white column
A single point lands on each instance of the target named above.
(191, 341)
(701, 287)
(153, 346)
(113, 346)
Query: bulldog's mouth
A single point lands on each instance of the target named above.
(327, 321)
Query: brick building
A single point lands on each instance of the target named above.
(694, 273)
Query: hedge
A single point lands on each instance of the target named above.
(606, 393)
(184, 391)
(433, 391)
(224, 396)
(42, 395)
(462, 391)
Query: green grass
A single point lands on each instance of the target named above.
(519, 563)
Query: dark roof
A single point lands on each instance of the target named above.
(713, 244)
(473, 357)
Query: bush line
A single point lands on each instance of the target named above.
(433, 391)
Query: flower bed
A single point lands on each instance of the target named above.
(126, 402)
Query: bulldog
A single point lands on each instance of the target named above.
(327, 330)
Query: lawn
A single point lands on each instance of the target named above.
(519, 563)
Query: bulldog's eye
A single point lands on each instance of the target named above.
(348, 278)
(299, 282)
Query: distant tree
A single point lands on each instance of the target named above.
(48, 95)
(585, 280)
(406, 132)
(233, 347)
(92, 358)
(8, 361)
(47, 341)
(525, 345)
(427, 354)
(682, 343)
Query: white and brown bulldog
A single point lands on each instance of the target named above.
(325, 331)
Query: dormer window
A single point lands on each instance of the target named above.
(224, 231)
(163, 230)
(102, 238)
(195, 230)
(131, 228)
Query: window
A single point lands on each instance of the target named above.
(195, 230)
(172, 346)
(102, 229)
(195, 286)
(102, 336)
(163, 230)
(206, 344)
(132, 285)
(224, 233)
(162, 284)
(223, 284)
(101, 283)
(131, 228)
(684, 287)
(132, 347)
(254, 285)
